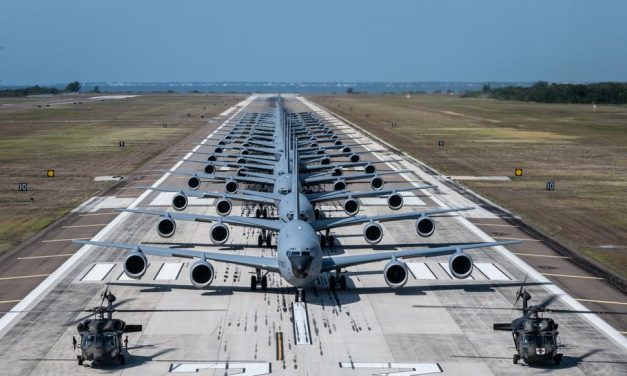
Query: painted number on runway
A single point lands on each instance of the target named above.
(550, 185)
(247, 368)
(405, 369)
(22, 187)
(441, 143)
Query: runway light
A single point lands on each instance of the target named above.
(518, 172)
(50, 173)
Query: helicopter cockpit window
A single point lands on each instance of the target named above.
(88, 340)
(109, 341)
(548, 341)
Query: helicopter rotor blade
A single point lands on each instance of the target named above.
(520, 291)
(504, 327)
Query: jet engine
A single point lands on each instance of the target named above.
(395, 201)
(218, 150)
(346, 149)
(166, 227)
(460, 265)
(373, 233)
(201, 274)
(212, 158)
(376, 183)
(179, 201)
(241, 161)
(395, 274)
(241, 171)
(231, 186)
(193, 183)
(338, 143)
(219, 234)
(221, 143)
(370, 168)
(223, 206)
(325, 161)
(209, 169)
(320, 152)
(355, 158)
(336, 172)
(339, 185)
(351, 206)
(425, 226)
(313, 145)
(245, 152)
(135, 265)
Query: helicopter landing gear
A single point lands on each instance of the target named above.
(337, 280)
(257, 279)
(300, 295)
(516, 358)
(558, 359)
(79, 359)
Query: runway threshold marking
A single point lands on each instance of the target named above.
(279, 346)
(572, 276)
(601, 301)
(48, 256)
(78, 226)
(23, 277)
(63, 240)
(534, 255)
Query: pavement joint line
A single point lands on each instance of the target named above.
(78, 226)
(61, 270)
(9, 301)
(492, 225)
(534, 255)
(93, 214)
(63, 240)
(594, 319)
(601, 301)
(522, 239)
(23, 277)
(47, 256)
(572, 276)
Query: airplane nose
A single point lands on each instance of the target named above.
(301, 265)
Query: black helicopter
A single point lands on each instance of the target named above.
(101, 336)
(535, 337)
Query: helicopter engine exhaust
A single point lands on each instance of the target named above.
(201, 274)
(395, 201)
(395, 274)
(460, 265)
(166, 227)
(179, 202)
(219, 234)
(351, 206)
(425, 226)
(135, 265)
(193, 183)
(376, 183)
(223, 207)
(373, 233)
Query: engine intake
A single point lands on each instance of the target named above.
(351, 206)
(460, 265)
(179, 201)
(373, 233)
(218, 150)
(376, 183)
(223, 206)
(339, 185)
(395, 201)
(166, 227)
(209, 169)
(425, 226)
(135, 265)
(355, 158)
(219, 234)
(346, 149)
(370, 168)
(395, 274)
(193, 183)
(241, 161)
(338, 143)
(212, 158)
(231, 186)
(201, 274)
(336, 172)
(325, 161)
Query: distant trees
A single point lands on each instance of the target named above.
(349, 90)
(73, 87)
(31, 90)
(542, 91)
(96, 89)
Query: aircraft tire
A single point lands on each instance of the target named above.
(558, 359)
(253, 283)
(265, 213)
(260, 240)
(80, 360)
(269, 241)
(332, 282)
(323, 241)
(122, 359)
(264, 283)
(257, 213)
(516, 358)
(330, 240)
(343, 283)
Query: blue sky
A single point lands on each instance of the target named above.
(46, 41)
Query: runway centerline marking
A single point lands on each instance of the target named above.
(572, 276)
(78, 226)
(23, 277)
(63, 240)
(48, 256)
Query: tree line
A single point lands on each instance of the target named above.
(72, 87)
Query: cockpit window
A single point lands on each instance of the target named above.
(306, 253)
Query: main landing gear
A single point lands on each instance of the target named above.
(300, 295)
(261, 212)
(337, 280)
(327, 239)
(257, 280)
(264, 238)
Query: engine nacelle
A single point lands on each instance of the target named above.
(210, 169)
(395, 274)
(395, 201)
(376, 183)
(373, 233)
(370, 168)
(354, 158)
(338, 143)
(460, 265)
(212, 158)
(241, 171)
(336, 172)
(325, 161)
(320, 152)
(135, 265)
(166, 227)
(346, 149)
(245, 152)
(221, 143)
(339, 185)
(219, 234)
(425, 226)
(201, 274)
(231, 186)
(179, 201)
(241, 161)
(218, 150)
(351, 206)
(193, 183)
(223, 206)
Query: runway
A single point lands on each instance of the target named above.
(433, 325)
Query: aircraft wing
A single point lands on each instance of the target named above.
(328, 223)
(322, 179)
(266, 263)
(259, 178)
(338, 262)
(340, 195)
(266, 224)
(346, 165)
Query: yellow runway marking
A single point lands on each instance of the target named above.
(49, 256)
(23, 277)
(571, 276)
(78, 226)
(90, 215)
(9, 301)
(63, 240)
(533, 255)
(600, 301)
(523, 239)
(495, 225)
